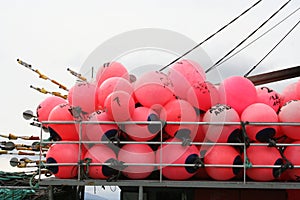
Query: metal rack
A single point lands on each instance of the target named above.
(243, 183)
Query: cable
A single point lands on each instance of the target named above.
(272, 49)
(210, 36)
(215, 65)
(292, 13)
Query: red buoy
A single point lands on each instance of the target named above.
(100, 154)
(137, 154)
(292, 154)
(180, 111)
(177, 154)
(290, 112)
(63, 153)
(183, 75)
(268, 96)
(112, 69)
(221, 133)
(263, 155)
(203, 95)
(222, 155)
(143, 132)
(111, 85)
(238, 92)
(83, 95)
(63, 113)
(200, 134)
(289, 93)
(153, 88)
(99, 131)
(260, 112)
(44, 108)
(119, 106)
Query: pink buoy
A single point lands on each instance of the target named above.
(99, 131)
(180, 111)
(111, 85)
(200, 134)
(222, 155)
(140, 154)
(112, 69)
(100, 154)
(119, 106)
(143, 132)
(203, 95)
(237, 92)
(268, 96)
(292, 154)
(44, 108)
(177, 154)
(260, 112)
(222, 133)
(201, 172)
(63, 153)
(298, 90)
(83, 95)
(153, 88)
(263, 155)
(63, 113)
(289, 93)
(184, 74)
(290, 112)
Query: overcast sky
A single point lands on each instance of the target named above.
(54, 35)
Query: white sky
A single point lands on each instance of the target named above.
(54, 35)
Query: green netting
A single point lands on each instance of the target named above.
(15, 194)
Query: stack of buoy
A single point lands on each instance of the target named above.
(124, 121)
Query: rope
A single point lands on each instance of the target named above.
(195, 47)
(287, 165)
(250, 43)
(272, 49)
(87, 162)
(118, 166)
(215, 65)
(244, 133)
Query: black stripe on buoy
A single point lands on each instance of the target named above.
(53, 135)
(235, 136)
(237, 161)
(53, 169)
(191, 159)
(276, 172)
(265, 134)
(109, 134)
(153, 128)
(107, 170)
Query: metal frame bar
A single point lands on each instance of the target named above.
(169, 183)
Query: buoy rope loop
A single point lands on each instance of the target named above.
(32, 182)
(198, 163)
(186, 142)
(87, 162)
(118, 166)
(272, 142)
(248, 164)
(285, 166)
(114, 139)
(244, 133)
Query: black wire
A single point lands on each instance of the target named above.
(210, 36)
(272, 49)
(215, 65)
(250, 43)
